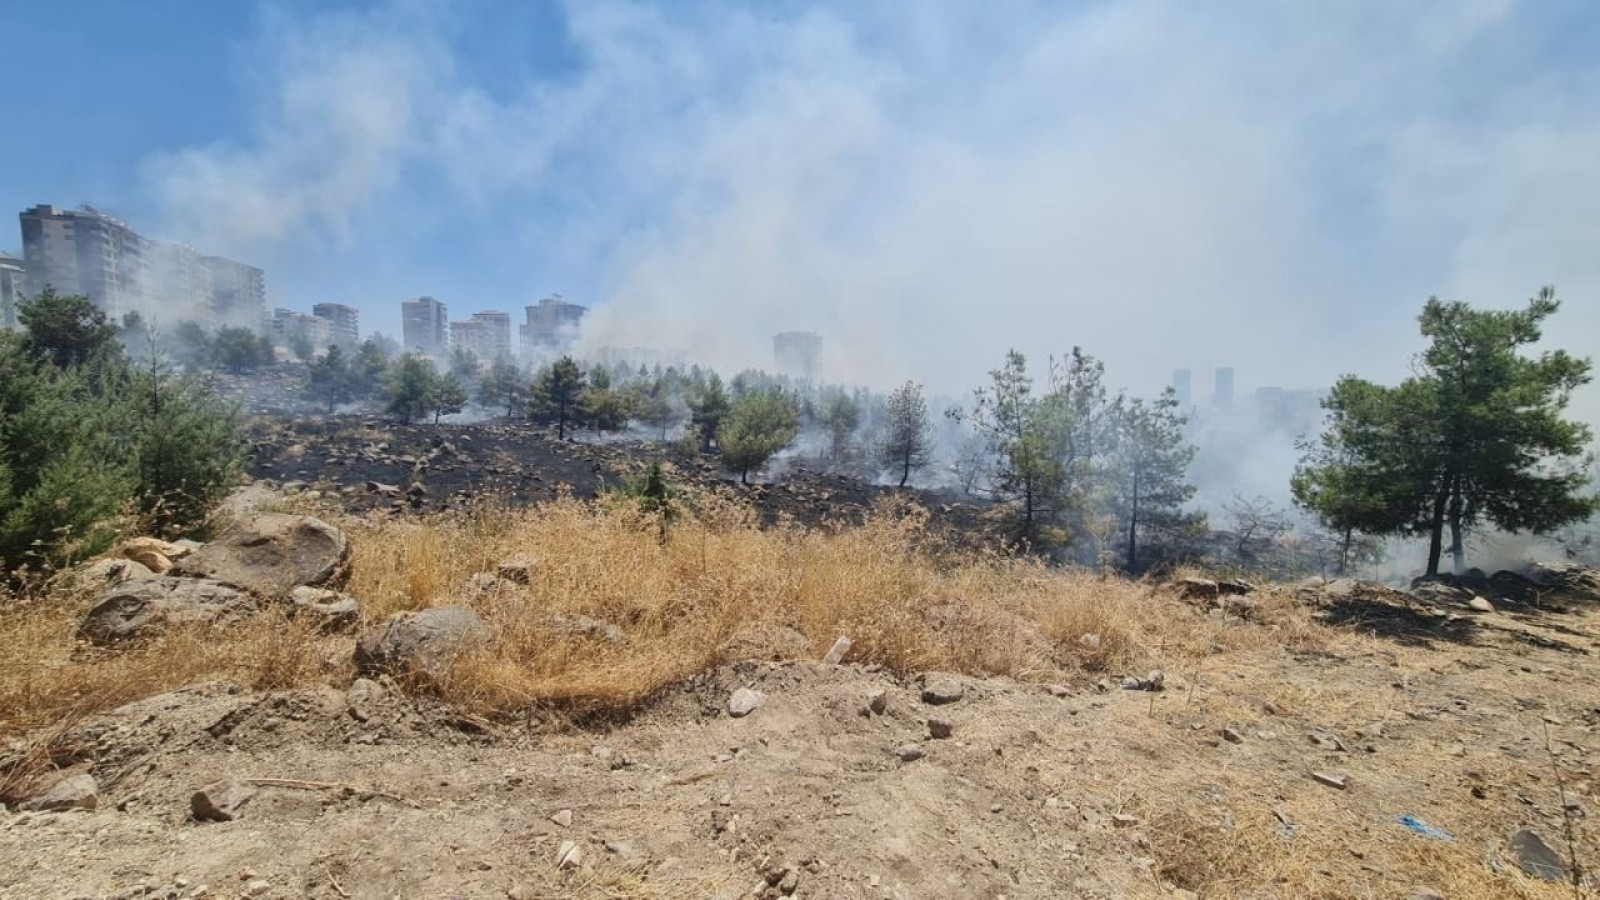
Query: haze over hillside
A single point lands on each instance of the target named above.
(1276, 190)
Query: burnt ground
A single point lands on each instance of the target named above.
(371, 464)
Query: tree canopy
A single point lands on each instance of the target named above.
(1475, 437)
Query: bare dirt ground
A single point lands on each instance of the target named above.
(1474, 723)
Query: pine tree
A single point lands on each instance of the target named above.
(330, 379)
(761, 423)
(708, 406)
(840, 418)
(449, 397)
(1149, 461)
(555, 394)
(410, 388)
(908, 440)
(503, 384)
(1477, 436)
(1024, 435)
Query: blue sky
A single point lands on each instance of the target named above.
(1273, 186)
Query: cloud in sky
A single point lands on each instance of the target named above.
(1273, 187)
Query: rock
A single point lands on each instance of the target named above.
(1124, 820)
(424, 641)
(257, 887)
(271, 554)
(1155, 681)
(1480, 604)
(1196, 588)
(569, 856)
(837, 652)
(383, 490)
(1060, 690)
(940, 728)
(1326, 741)
(73, 792)
(146, 606)
(562, 817)
(516, 571)
(1535, 858)
(878, 703)
(909, 752)
(586, 626)
(101, 573)
(744, 701)
(152, 553)
(359, 698)
(523, 891)
(1232, 736)
(1334, 781)
(220, 801)
(789, 883)
(942, 689)
(331, 610)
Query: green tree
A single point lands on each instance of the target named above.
(653, 403)
(302, 347)
(449, 396)
(602, 406)
(464, 365)
(555, 394)
(368, 370)
(330, 379)
(1476, 436)
(1149, 463)
(190, 345)
(908, 438)
(841, 416)
(761, 423)
(708, 406)
(1024, 434)
(410, 388)
(240, 350)
(503, 384)
(67, 329)
(188, 445)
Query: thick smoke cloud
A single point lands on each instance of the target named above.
(1272, 187)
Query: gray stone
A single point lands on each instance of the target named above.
(837, 652)
(1124, 820)
(74, 792)
(424, 642)
(1480, 604)
(359, 698)
(942, 689)
(102, 573)
(272, 554)
(220, 801)
(878, 703)
(147, 606)
(1535, 858)
(562, 817)
(331, 610)
(1232, 736)
(909, 752)
(569, 856)
(940, 728)
(523, 891)
(744, 701)
(1334, 781)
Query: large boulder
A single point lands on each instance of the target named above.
(272, 554)
(146, 606)
(423, 642)
(105, 572)
(152, 553)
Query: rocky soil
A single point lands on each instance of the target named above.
(1408, 762)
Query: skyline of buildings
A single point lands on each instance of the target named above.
(425, 327)
(84, 251)
(551, 325)
(13, 287)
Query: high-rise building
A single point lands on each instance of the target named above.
(178, 285)
(238, 293)
(1183, 386)
(287, 326)
(344, 323)
(1222, 396)
(425, 326)
(81, 251)
(487, 335)
(552, 324)
(798, 353)
(13, 285)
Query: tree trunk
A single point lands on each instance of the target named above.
(1458, 554)
(1133, 524)
(905, 470)
(1436, 528)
